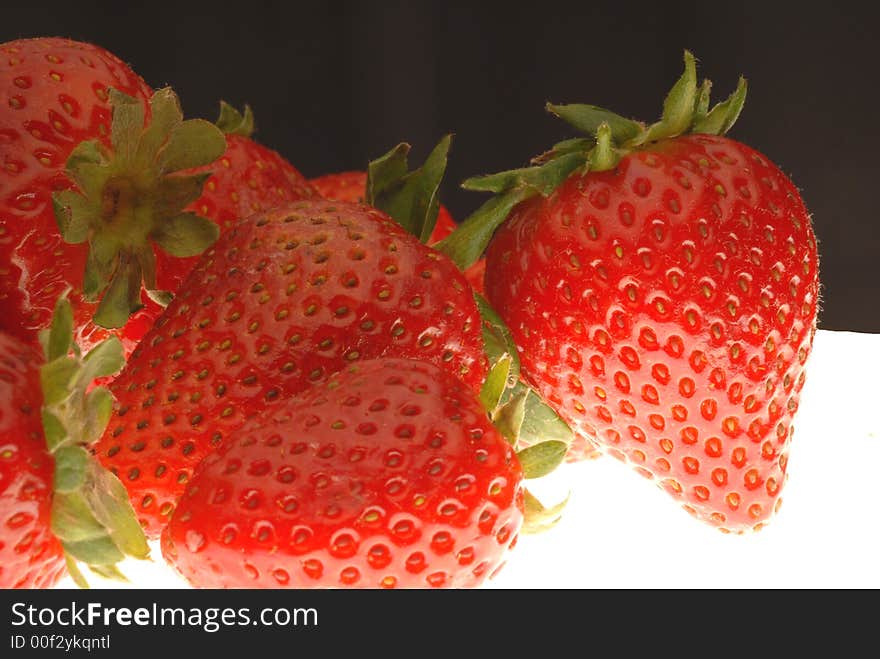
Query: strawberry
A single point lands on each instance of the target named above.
(94, 183)
(284, 299)
(56, 96)
(389, 475)
(57, 505)
(661, 283)
(351, 186)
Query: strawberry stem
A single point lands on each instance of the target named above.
(603, 156)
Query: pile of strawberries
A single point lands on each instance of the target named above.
(331, 383)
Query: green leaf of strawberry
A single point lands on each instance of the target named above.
(186, 234)
(540, 420)
(509, 417)
(233, 122)
(497, 339)
(722, 117)
(467, 243)
(587, 119)
(496, 383)
(542, 458)
(410, 197)
(386, 173)
(516, 409)
(678, 107)
(60, 335)
(91, 514)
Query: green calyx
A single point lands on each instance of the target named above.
(132, 196)
(92, 516)
(606, 138)
(233, 122)
(521, 416)
(685, 110)
(411, 198)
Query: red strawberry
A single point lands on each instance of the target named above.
(30, 556)
(351, 186)
(55, 97)
(57, 505)
(663, 292)
(389, 475)
(98, 180)
(282, 300)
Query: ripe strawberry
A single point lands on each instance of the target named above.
(30, 556)
(94, 184)
(55, 97)
(662, 289)
(57, 505)
(283, 300)
(351, 186)
(389, 475)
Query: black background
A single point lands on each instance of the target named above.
(334, 84)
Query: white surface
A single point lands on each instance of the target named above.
(621, 531)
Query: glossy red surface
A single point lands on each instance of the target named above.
(350, 186)
(390, 476)
(282, 301)
(249, 178)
